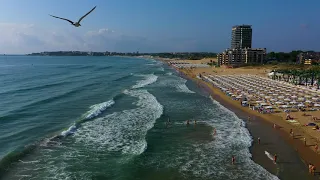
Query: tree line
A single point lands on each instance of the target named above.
(298, 76)
(284, 57)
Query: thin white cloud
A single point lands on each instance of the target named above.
(27, 38)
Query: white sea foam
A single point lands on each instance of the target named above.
(176, 82)
(169, 73)
(149, 79)
(183, 87)
(232, 139)
(123, 131)
(94, 111)
(212, 158)
(97, 109)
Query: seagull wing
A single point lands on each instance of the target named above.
(62, 19)
(86, 14)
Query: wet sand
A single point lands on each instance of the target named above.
(293, 156)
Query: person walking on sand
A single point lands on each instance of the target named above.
(195, 122)
(258, 140)
(305, 141)
(188, 122)
(275, 158)
(316, 147)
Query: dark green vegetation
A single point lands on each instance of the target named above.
(283, 56)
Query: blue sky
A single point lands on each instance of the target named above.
(156, 26)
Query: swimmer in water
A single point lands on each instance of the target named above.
(275, 158)
(188, 122)
(233, 159)
(195, 122)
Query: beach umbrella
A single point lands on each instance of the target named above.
(293, 97)
(316, 105)
(280, 97)
(300, 105)
(268, 107)
(284, 106)
(279, 102)
(293, 102)
(263, 104)
(308, 101)
(287, 99)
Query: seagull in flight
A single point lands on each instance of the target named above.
(76, 24)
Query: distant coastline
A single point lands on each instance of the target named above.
(169, 55)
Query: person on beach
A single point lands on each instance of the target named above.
(195, 122)
(258, 140)
(313, 169)
(274, 126)
(292, 134)
(305, 141)
(275, 158)
(188, 122)
(233, 160)
(249, 118)
(310, 166)
(290, 131)
(316, 147)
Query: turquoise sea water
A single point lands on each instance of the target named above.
(105, 118)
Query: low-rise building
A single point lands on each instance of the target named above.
(308, 58)
(239, 57)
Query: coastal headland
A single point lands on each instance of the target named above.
(274, 127)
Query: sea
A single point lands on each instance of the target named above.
(115, 118)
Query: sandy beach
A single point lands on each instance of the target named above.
(277, 138)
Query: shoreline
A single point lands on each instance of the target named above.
(274, 140)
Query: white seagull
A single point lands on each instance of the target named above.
(76, 24)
